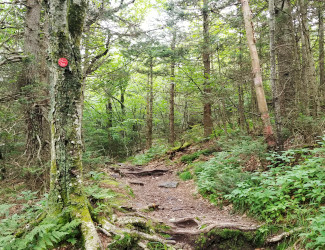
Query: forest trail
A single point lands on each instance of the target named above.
(178, 205)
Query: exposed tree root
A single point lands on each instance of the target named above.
(110, 228)
(282, 236)
(207, 229)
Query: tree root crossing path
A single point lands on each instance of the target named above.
(160, 196)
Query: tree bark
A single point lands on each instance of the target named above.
(284, 48)
(275, 92)
(321, 53)
(150, 106)
(207, 114)
(257, 74)
(30, 83)
(66, 18)
(309, 74)
(172, 93)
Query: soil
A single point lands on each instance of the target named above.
(182, 208)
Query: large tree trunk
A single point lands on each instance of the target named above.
(261, 100)
(66, 18)
(207, 114)
(172, 93)
(276, 97)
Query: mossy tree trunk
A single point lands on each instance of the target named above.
(66, 18)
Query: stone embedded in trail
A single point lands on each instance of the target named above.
(169, 184)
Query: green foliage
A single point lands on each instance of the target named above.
(192, 157)
(99, 193)
(220, 175)
(315, 237)
(186, 175)
(124, 242)
(282, 190)
(156, 246)
(45, 235)
(149, 155)
(195, 134)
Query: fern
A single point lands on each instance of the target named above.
(46, 235)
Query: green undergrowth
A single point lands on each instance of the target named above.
(149, 155)
(228, 239)
(17, 231)
(23, 224)
(192, 157)
(285, 190)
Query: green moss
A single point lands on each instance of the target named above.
(227, 239)
(76, 15)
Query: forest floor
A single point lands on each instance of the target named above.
(160, 195)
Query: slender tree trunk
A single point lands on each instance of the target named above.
(172, 93)
(66, 186)
(261, 100)
(321, 54)
(109, 112)
(122, 102)
(276, 102)
(241, 104)
(207, 114)
(150, 107)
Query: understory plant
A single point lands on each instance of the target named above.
(149, 155)
(219, 176)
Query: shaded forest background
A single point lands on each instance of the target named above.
(157, 77)
(146, 82)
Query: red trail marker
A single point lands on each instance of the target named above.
(63, 62)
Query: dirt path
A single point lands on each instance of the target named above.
(181, 207)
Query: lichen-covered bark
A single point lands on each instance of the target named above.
(66, 19)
